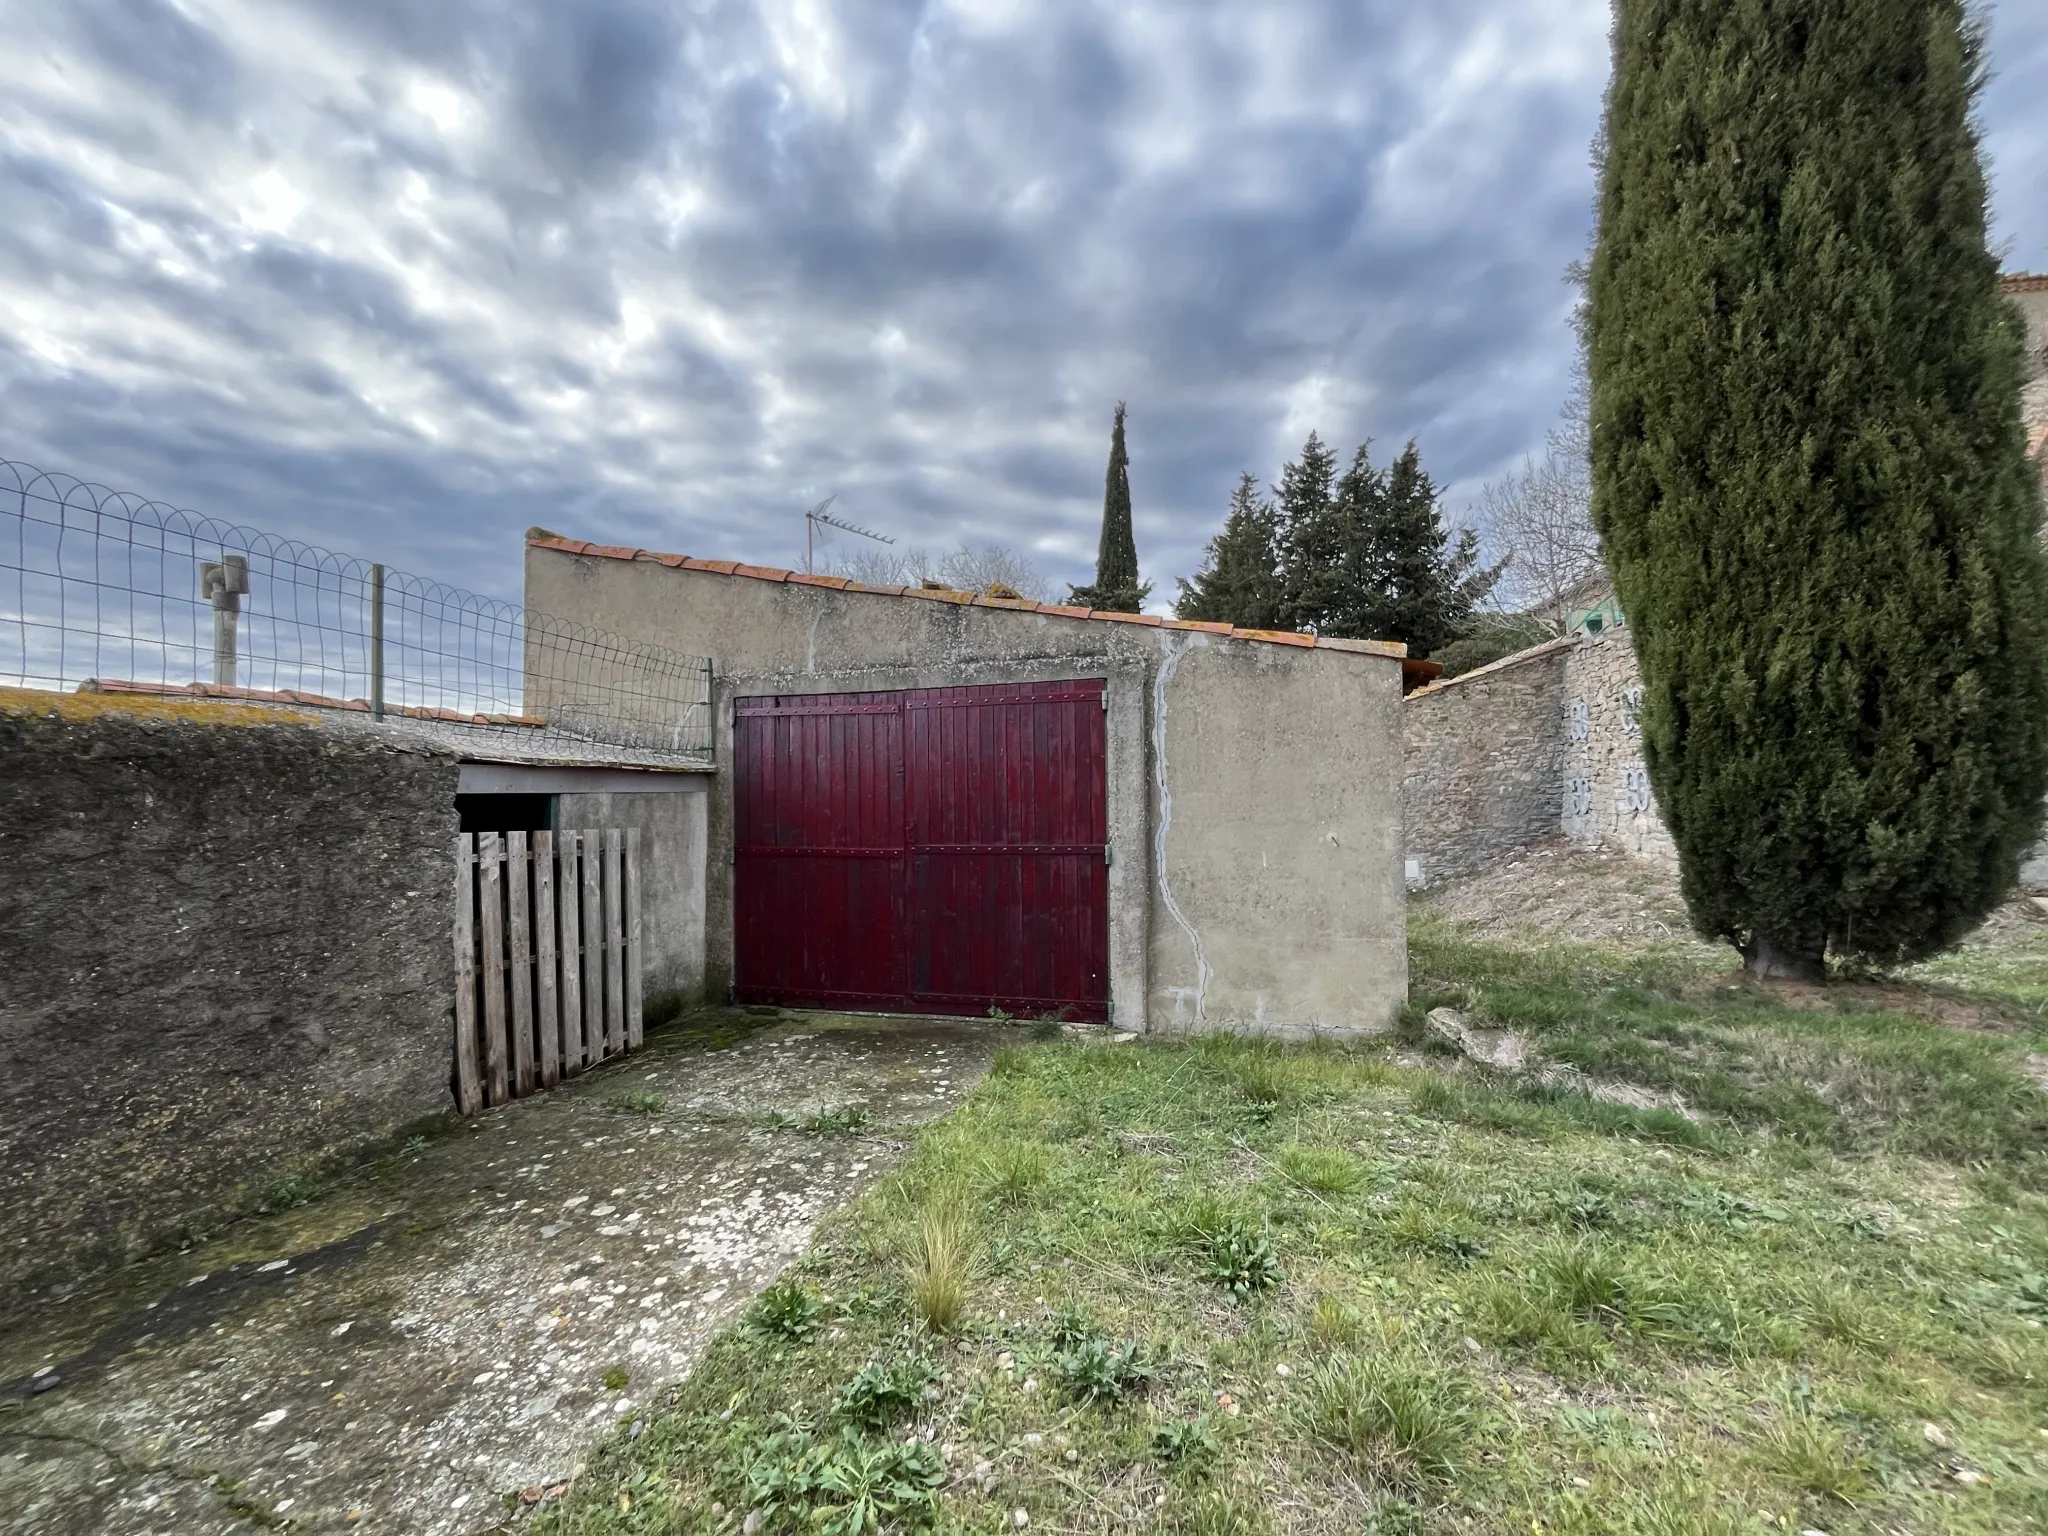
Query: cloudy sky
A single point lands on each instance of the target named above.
(403, 278)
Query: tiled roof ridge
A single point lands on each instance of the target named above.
(1393, 649)
(2023, 282)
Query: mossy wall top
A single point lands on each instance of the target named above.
(224, 938)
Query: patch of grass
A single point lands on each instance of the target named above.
(636, 1101)
(1324, 1170)
(1401, 1423)
(1844, 1079)
(939, 1265)
(615, 1379)
(1015, 1172)
(1816, 1458)
(1400, 1300)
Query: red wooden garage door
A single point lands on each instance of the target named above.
(936, 851)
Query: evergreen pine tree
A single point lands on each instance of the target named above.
(1428, 582)
(1239, 582)
(1116, 588)
(1809, 474)
(1313, 538)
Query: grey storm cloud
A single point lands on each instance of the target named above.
(404, 278)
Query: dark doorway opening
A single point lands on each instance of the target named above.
(506, 813)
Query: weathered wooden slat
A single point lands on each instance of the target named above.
(614, 943)
(594, 1044)
(518, 890)
(490, 858)
(566, 845)
(468, 1088)
(635, 1026)
(546, 968)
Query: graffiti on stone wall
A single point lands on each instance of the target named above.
(1578, 720)
(1633, 797)
(1578, 800)
(1632, 710)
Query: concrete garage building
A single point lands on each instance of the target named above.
(927, 801)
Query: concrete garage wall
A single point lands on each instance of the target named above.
(673, 839)
(1253, 800)
(224, 955)
(1482, 763)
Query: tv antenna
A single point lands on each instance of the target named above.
(816, 518)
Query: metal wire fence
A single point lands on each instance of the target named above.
(108, 592)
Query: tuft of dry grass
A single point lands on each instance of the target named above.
(938, 1270)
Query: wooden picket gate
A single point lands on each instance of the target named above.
(547, 958)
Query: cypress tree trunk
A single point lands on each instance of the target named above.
(1809, 472)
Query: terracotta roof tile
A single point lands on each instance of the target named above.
(1387, 648)
(2024, 282)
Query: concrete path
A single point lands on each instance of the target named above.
(414, 1348)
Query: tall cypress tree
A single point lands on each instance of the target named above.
(1239, 582)
(1116, 588)
(1809, 474)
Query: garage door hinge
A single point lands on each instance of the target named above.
(1106, 854)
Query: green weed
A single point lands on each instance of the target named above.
(638, 1101)
(1189, 1445)
(880, 1395)
(838, 1120)
(1240, 1259)
(788, 1309)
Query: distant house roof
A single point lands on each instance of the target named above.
(2023, 282)
(540, 539)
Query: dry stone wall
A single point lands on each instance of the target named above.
(1482, 763)
(1546, 741)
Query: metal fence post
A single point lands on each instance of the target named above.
(222, 582)
(377, 642)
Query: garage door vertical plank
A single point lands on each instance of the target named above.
(547, 1024)
(469, 1096)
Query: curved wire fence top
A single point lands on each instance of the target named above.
(105, 591)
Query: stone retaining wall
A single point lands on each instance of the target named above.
(224, 937)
